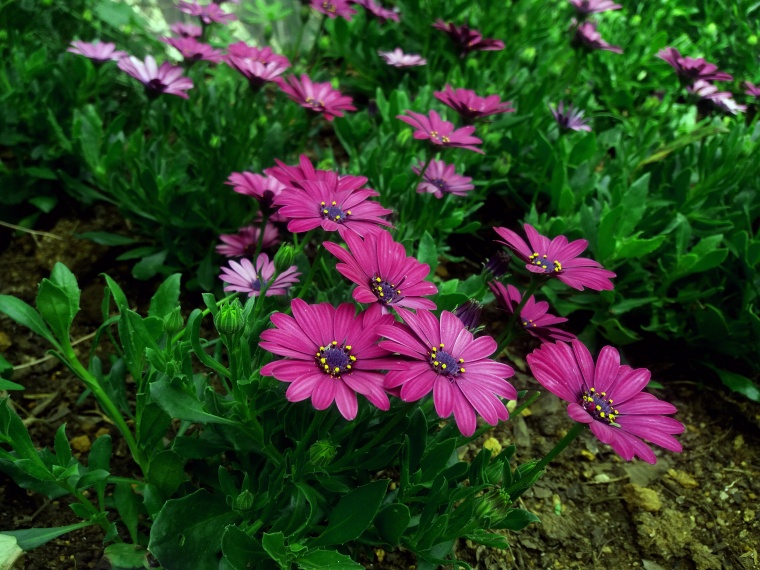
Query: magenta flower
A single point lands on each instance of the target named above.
(398, 58)
(558, 258)
(186, 30)
(440, 132)
(325, 204)
(243, 243)
(752, 89)
(534, 315)
(334, 8)
(97, 51)
(295, 175)
(468, 40)
(498, 264)
(157, 80)
(383, 272)
(208, 13)
(382, 14)
(445, 357)
(569, 119)
(440, 178)
(470, 106)
(318, 97)
(587, 36)
(246, 278)
(330, 355)
(723, 100)
(258, 65)
(608, 397)
(264, 188)
(193, 50)
(469, 313)
(587, 7)
(692, 68)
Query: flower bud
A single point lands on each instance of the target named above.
(229, 320)
(321, 453)
(243, 501)
(469, 314)
(492, 507)
(283, 259)
(173, 322)
(498, 264)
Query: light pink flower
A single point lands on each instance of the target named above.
(97, 51)
(398, 58)
(244, 277)
(441, 178)
(157, 80)
(440, 132)
(317, 97)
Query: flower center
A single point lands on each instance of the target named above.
(329, 7)
(443, 363)
(542, 262)
(335, 360)
(257, 284)
(156, 85)
(385, 292)
(316, 104)
(599, 406)
(438, 183)
(333, 212)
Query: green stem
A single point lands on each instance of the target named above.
(413, 190)
(260, 241)
(508, 332)
(483, 429)
(315, 46)
(312, 271)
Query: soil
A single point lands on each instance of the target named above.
(698, 510)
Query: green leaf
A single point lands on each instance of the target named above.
(166, 297)
(128, 505)
(182, 405)
(62, 448)
(490, 539)
(25, 315)
(64, 278)
(14, 432)
(7, 384)
(9, 552)
(274, 544)
(31, 538)
(353, 514)
(55, 308)
(118, 294)
(635, 248)
(92, 477)
(737, 383)
(149, 265)
(106, 238)
(126, 556)
(167, 471)
(392, 521)
(87, 130)
(243, 552)
(427, 252)
(327, 560)
(516, 519)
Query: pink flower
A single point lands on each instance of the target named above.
(445, 357)
(608, 397)
(97, 51)
(692, 68)
(208, 13)
(470, 106)
(558, 258)
(588, 7)
(334, 8)
(534, 315)
(569, 119)
(441, 178)
(246, 278)
(294, 175)
(186, 30)
(723, 100)
(440, 132)
(383, 272)
(330, 355)
(318, 97)
(165, 79)
(256, 65)
(382, 14)
(264, 188)
(398, 58)
(193, 50)
(586, 35)
(468, 40)
(751, 89)
(243, 243)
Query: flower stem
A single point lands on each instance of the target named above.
(312, 271)
(315, 46)
(483, 429)
(508, 332)
(260, 241)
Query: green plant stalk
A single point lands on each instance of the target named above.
(312, 271)
(315, 47)
(483, 429)
(260, 241)
(508, 332)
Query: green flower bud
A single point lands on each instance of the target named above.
(711, 28)
(635, 20)
(283, 259)
(243, 501)
(173, 322)
(492, 507)
(494, 472)
(321, 453)
(229, 320)
(752, 40)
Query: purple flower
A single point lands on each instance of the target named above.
(468, 40)
(165, 79)
(246, 278)
(398, 58)
(558, 258)
(258, 65)
(264, 188)
(445, 357)
(723, 100)
(243, 243)
(325, 204)
(692, 68)
(469, 314)
(186, 30)
(569, 119)
(334, 8)
(193, 50)
(498, 264)
(586, 35)
(608, 397)
(331, 355)
(470, 106)
(751, 89)
(382, 14)
(383, 272)
(318, 97)
(534, 316)
(440, 132)
(97, 51)
(440, 178)
(587, 7)
(208, 13)
(305, 171)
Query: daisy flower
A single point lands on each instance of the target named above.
(165, 79)
(294, 175)
(334, 8)
(243, 243)
(186, 30)
(382, 14)
(208, 13)
(467, 39)
(752, 89)
(193, 50)
(587, 36)
(441, 178)
(587, 7)
(470, 106)
(569, 118)
(534, 315)
(440, 132)
(398, 58)
(692, 68)
(247, 278)
(97, 51)
(318, 97)
(257, 65)
(723, 100)
(264, 188)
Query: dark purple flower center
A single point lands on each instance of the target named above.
(257, 284)
(599, 406)
(439, 183)
(156, 85)
(443, 363)
(385, 292)
(542, 261)
(318, 105)
(528, 324)
(329, 7)
(333, 212)
(335, 360)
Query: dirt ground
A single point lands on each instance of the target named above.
(698, 510)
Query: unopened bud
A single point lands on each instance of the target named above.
(173, 322)
(469, 314)
(283, 259)
(498, 264)
(229, 320)
(492, 507)
(243, 501)
(321, 453)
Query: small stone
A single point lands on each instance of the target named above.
(102, 431)
(602, 478)
(526, 412)
(642, 498)
(684, 479)
(738, 440)
(587, 455)
(749, 515)
(81, 443)
(492, 444)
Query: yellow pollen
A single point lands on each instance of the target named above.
(348, 212)
(323, 360)
(378, 280)
(445, 139)
(352, 358)
(325, 212)
(443, 366)
(348, 347)
(598, 408)
(334, 203)
(441, 345)
(336, 369)
(321, 348)
(337, 217)
(435, 363)
(323, 203)
(461, 360)
(461, 369)
(335, 342)
(348, 367)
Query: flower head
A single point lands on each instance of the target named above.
(723, 100)
(383, 272)
(498, 264)
(587, 36)
(305, 171)
(264, 188)
(469, 313)
(558, 258)
(440, 132)
(470, 106)
(569, 118)
(193, 50)
(243, 243)
(441, 178)
(398, 58)
(208, 13)
(97, 51)
(468, 40)
(186, 30)
(692, 68)
(752, 89)
(165, 79)
(445, 357)
(258, 65)
(382, 14)
(334, 8)
(318, 97)
(587, 7)
(246, 278)
(330, 355)
(608, 397)
(534, 315)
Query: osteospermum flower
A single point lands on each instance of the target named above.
(294, 175)
(587, 7)
(692, 68)
(97, 51)
(752, 89)
(243, 243)
(186, 30)
(470, 106)
(334, 8)
(383, 272)
(467, 39)
(264, 188)
(608, 397)
(469, 313)
(586, 35)
(207, 13)
(317, 97)
(324, 204)
(440, 132)
(330, 355)
(382, 14)
(534, 315)
(258, 65)
(441, 178)
(723, 100)
(193, 50)
(569, 118)
(398, 58)
(157, 80)
(445, 357)
(244, 277)
(558, 258)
